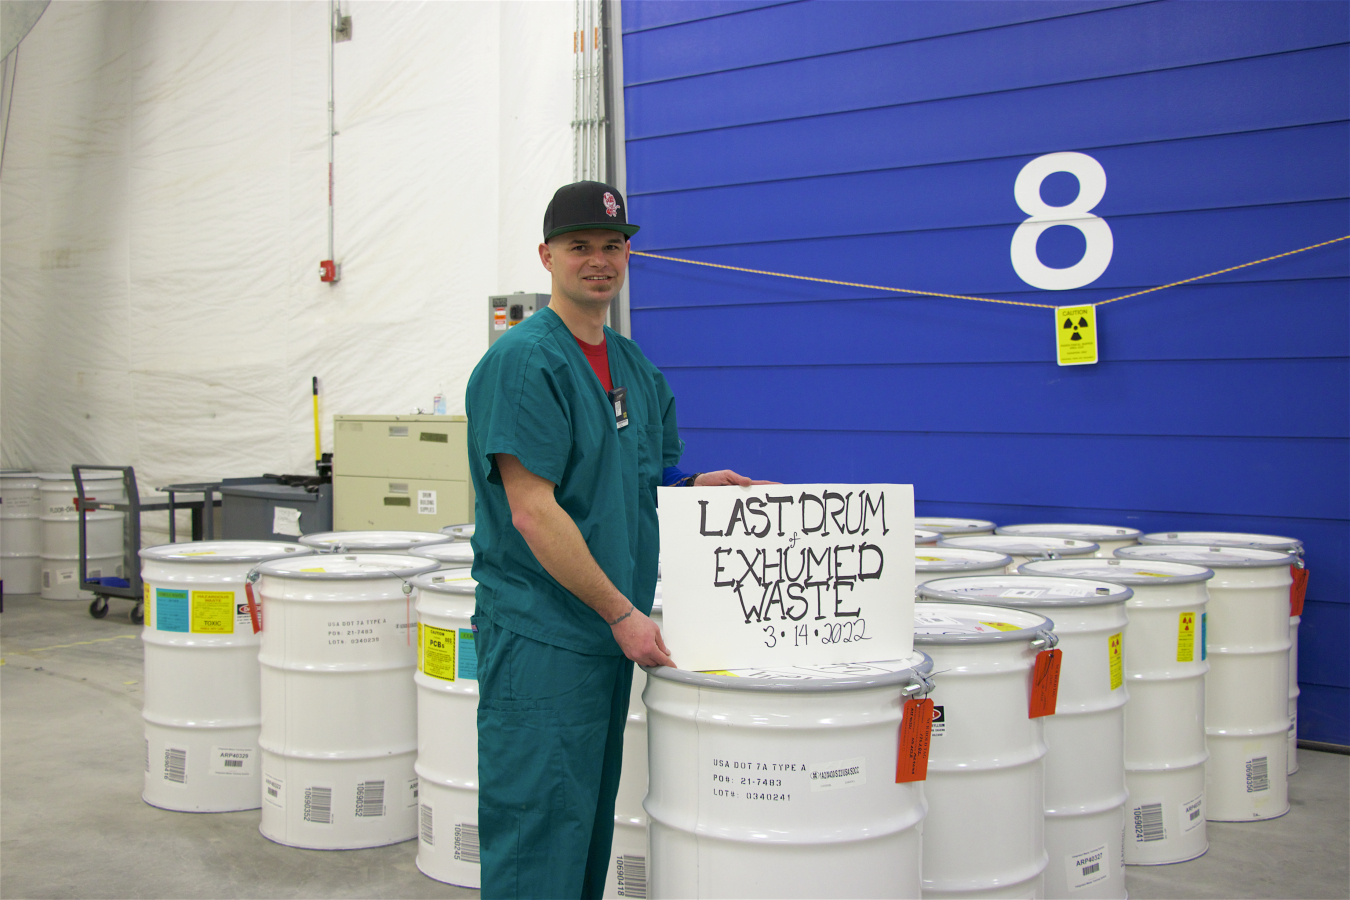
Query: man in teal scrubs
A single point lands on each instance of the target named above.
(570, 430)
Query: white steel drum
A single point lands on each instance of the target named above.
(1165, 668)
(954, 526)
(447, 728)
(1247, 688)
(372, 541)
(459, 532)
(985, 831)
(946, 562)
(1022, 548)
(781, 782)
(339, 705)
(922, 537)
(450, 554)
(1108, 538)
(20, 534)
(201, 675)
(1260, 542)
(60, 526)
(1085, 760)
(628, 856)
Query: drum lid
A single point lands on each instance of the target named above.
(806, 679)
(443, 582)
(1224, 539)
(224, 551)
(448, 551)
(372, 540)
(459, 532)
(1022, 545)
(953, 526)
(1025, 590)
(1211, 557)
(955, 559)
(347, 567)
(1079, 532)
(1143, 573)
(923, 536)
(943, 622)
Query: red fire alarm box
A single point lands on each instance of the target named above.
(329, 270)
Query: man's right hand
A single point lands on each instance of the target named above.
(640, 639)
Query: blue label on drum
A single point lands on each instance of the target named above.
(468, 654)
(171, 610)
(1204, 636)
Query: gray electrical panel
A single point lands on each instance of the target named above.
(509, 310)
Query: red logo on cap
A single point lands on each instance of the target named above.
(611, 205)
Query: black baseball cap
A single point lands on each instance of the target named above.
(586, 204)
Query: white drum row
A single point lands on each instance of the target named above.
(40, 536)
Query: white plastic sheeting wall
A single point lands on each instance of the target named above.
(164, 215)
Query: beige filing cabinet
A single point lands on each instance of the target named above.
(404, 473)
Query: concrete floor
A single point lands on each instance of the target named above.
(72, 823)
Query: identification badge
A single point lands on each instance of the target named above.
(619, 398)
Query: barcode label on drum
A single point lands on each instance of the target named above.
(426, 829)
(631, 875)
(369, 799)
(175, 765)
(1258, 775)
(273, 791)
(1088, 867)
(1193, 814)
(319, 805)
(1148, 823)
(466, 843)
(233, 761)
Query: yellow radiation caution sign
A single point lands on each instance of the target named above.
(1076, 335)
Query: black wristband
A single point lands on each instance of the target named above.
(689, 482)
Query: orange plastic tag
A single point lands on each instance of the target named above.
(254, 610)
(1298, 590)
(1045, 683)
(916, 729)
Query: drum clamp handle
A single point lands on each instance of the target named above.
(921, 687)
(1044, 640)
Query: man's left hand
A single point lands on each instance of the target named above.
(725, 477)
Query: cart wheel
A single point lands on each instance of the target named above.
(99, 608)
(138, 615)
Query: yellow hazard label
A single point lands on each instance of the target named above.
(146, 612)
(436, 652)
(1003, 626)
(929, 558)
(1115, 660)
(719, 672)
(1186, 637)
(1076, 335)
(199, 553)
(314, 570)
(213, 612)
(1153, 574)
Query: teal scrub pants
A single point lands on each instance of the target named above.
(550, 746)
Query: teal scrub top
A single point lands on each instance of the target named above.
(535, 396)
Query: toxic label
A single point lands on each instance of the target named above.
(235, 761)
(1114, 658)
(437, 654)
(1076, 335)
(171, 608)
(213, 612)
(841, 773)
(1088, 867)
(468, 655)
(1186, 637)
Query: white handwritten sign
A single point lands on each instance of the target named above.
(780, 575)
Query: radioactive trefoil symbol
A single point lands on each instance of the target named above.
(1069, 323)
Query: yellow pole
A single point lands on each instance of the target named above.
(318, 452)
